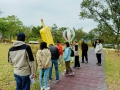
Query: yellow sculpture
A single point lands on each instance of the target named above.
(46, 34)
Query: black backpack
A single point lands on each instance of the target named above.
(72, 53)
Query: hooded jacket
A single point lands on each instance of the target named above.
(44, 58)
(67, 53)
(21, 57)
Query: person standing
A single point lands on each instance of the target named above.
(54, 59)
(84, 48)
(94, 44)
(72, 57)
(59, 46)
(43, 57)
(98, 51)
(67, 53)
(76, 55)
(21, 57)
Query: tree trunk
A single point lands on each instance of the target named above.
(117, 42)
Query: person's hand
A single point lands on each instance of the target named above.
(33, 76)
(44, 66)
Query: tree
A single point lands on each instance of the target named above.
(105, 12)
(79, 34)
(36, 31)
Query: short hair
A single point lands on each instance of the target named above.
(67, 44)
(21, 36)
(58, 42)
(51, 45)
(43, 45)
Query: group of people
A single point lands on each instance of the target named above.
(21, 57)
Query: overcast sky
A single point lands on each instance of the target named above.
(63, 13)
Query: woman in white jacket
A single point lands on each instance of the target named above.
(98, 51)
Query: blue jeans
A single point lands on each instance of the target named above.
(44, 74)
(22, 82)
(55, 62)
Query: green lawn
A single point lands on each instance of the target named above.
(7, 81)
(112, 70)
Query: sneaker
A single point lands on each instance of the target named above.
(56, 81)
(42, 88)
(99, 64)
(82, 62)
(86, 62)
(72, 73)
(48, 88)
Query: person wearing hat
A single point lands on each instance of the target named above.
(21, 57)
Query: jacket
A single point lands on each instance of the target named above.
(21, 57)
(98, 48)
(76, 50)
(60, 49)
(67, 53)
(84, 47)
(43, 58)
(54, 52)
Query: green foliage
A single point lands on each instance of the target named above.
(105, 12)
(112, 70)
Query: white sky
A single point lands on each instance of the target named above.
(63, 13)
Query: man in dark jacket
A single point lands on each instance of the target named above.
(54, 59)
(21, 57)
(84, 48)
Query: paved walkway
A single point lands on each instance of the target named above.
(88, 77)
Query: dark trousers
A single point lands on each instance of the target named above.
(84, 54)
(22, 82)
(77, 63)
(98, 57)
(68, 68)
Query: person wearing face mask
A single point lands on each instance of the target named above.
(98, 51)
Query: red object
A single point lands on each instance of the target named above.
(59, 46)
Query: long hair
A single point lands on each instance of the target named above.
(43, 45)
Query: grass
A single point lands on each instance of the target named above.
(112, 70)
(7, 81)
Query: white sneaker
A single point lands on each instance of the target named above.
(48, 88)
(57, 81)
(71, 74)
(42, 88)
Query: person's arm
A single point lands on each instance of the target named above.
(38, 59)
(31, 60)
(9, 59)
(65, 53)
(87, 47)
(48, 56)
(100, 48)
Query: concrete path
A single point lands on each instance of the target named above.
(88, 77)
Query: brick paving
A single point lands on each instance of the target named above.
(88, 77)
